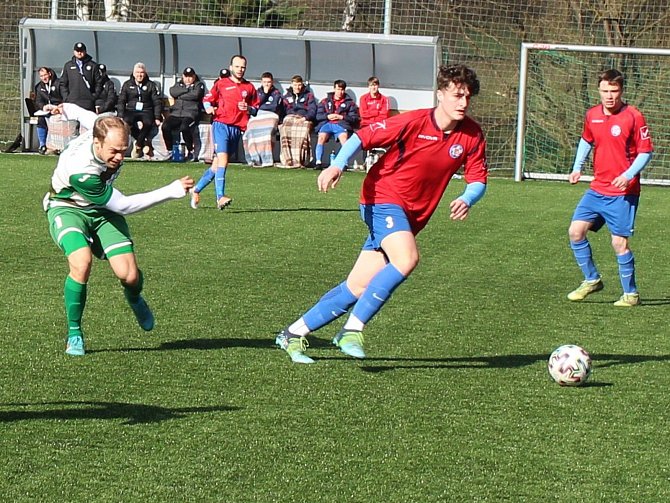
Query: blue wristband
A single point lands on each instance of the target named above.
(473, 192)
(348, 150)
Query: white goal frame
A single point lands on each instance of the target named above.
(519, 173)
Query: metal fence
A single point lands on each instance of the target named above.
(485, 35)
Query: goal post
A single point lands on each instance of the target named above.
(558, 83)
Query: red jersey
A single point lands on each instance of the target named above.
(617, 139)
(225, 95)
(420, 161)
(373, 109)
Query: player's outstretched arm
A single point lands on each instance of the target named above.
(127, 205)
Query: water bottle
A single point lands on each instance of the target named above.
(176, 153)
(332, 157)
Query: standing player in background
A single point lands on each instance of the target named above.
(86, 218)
(619, 135)
(399, 195)
(231, 101)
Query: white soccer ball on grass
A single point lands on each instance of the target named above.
(569, 365)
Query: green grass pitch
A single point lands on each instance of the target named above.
(454, 403)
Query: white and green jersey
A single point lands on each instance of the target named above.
(80, 179)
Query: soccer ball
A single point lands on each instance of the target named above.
(569, 365)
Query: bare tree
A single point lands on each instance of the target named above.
(82, 9)
(350, 8)
(115, 10)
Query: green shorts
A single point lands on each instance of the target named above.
(104, 231)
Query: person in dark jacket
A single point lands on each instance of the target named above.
(47, 99)
(259, 137)
(300, 107)
(107, 98)
(336, 115)
(141, 106)
(80, 81)
(188, 93)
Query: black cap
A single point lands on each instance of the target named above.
(79, 46)
(189, 72)
(224, 72)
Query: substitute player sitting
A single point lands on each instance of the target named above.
(86, 218)
(619, 135)
(399, 195)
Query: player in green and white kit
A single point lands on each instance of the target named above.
(86, 218)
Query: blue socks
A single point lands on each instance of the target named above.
(627, 272)
(220, 182)
(584, 257)
(337, 301)
(204, 181)
(331, 306)
(582, 251)
(318, 153)
(42, 136)
(377, 293)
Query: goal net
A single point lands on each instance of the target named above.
(558, 83)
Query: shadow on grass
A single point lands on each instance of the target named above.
(133, 413)
(390, 363)
(199, 344)
(215, 343)
(502, 361)
(645, 302)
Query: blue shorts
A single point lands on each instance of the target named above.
(226, 138)
(382, 220)
(618, 212)
(332, 128)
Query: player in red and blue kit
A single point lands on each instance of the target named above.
(620, 137)
(231, 101)
(400, 193)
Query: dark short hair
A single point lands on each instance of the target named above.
(459, 75)
(296, 78)
(373, 80)
(237, 56)
(613, 77)
(267, 75)
(340, 83)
